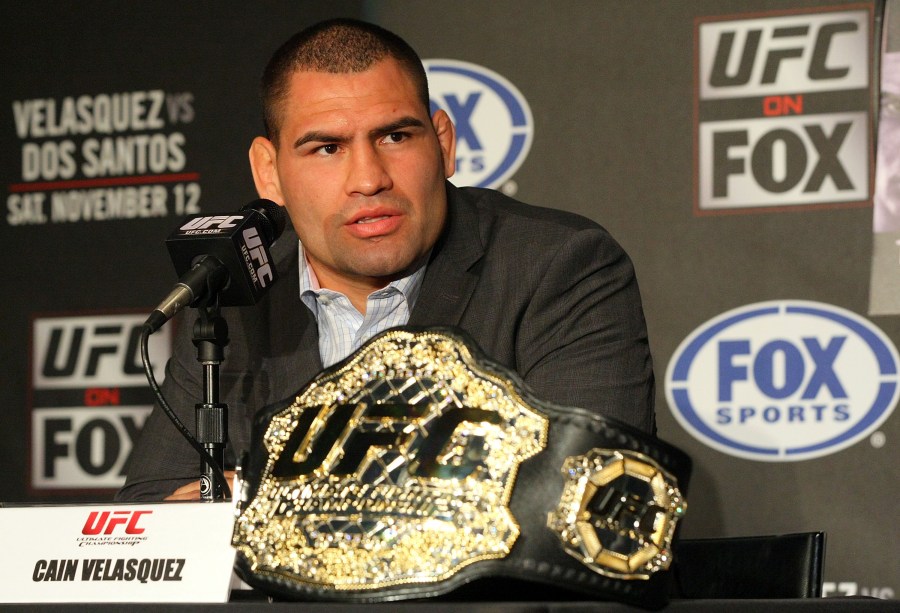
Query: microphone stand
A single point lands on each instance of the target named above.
(210, 338)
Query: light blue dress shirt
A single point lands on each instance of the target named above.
(343, 329)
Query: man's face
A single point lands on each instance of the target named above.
(360, 167)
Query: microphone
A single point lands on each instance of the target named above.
(226, 255)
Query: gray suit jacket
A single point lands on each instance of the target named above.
(548, 294)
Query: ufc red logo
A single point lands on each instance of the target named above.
(105, 522)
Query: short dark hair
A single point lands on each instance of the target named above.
(336, 46)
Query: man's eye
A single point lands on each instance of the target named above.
(395, 137)
(328, 149)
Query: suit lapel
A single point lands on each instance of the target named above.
(450, 278)
(293, 357)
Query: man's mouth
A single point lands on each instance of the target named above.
(371, 219)
(373, 224)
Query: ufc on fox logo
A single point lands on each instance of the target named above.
(782, 110)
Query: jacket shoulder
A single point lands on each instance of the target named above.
(501, 218)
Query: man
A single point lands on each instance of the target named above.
(384, 240)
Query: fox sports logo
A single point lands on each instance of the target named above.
(493, 121)
(783, 381)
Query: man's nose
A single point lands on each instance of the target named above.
(367, 174)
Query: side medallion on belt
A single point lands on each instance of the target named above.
(618, 513)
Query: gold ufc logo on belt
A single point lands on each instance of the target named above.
(618, 513)
(395, 468)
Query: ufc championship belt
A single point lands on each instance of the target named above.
(415, 466)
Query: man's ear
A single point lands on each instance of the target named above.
(263, 156)
(446, 134)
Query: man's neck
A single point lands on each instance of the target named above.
(356, 289)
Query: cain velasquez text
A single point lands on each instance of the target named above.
(106, 569)
(102, 157)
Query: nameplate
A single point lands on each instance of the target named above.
(175, 552)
